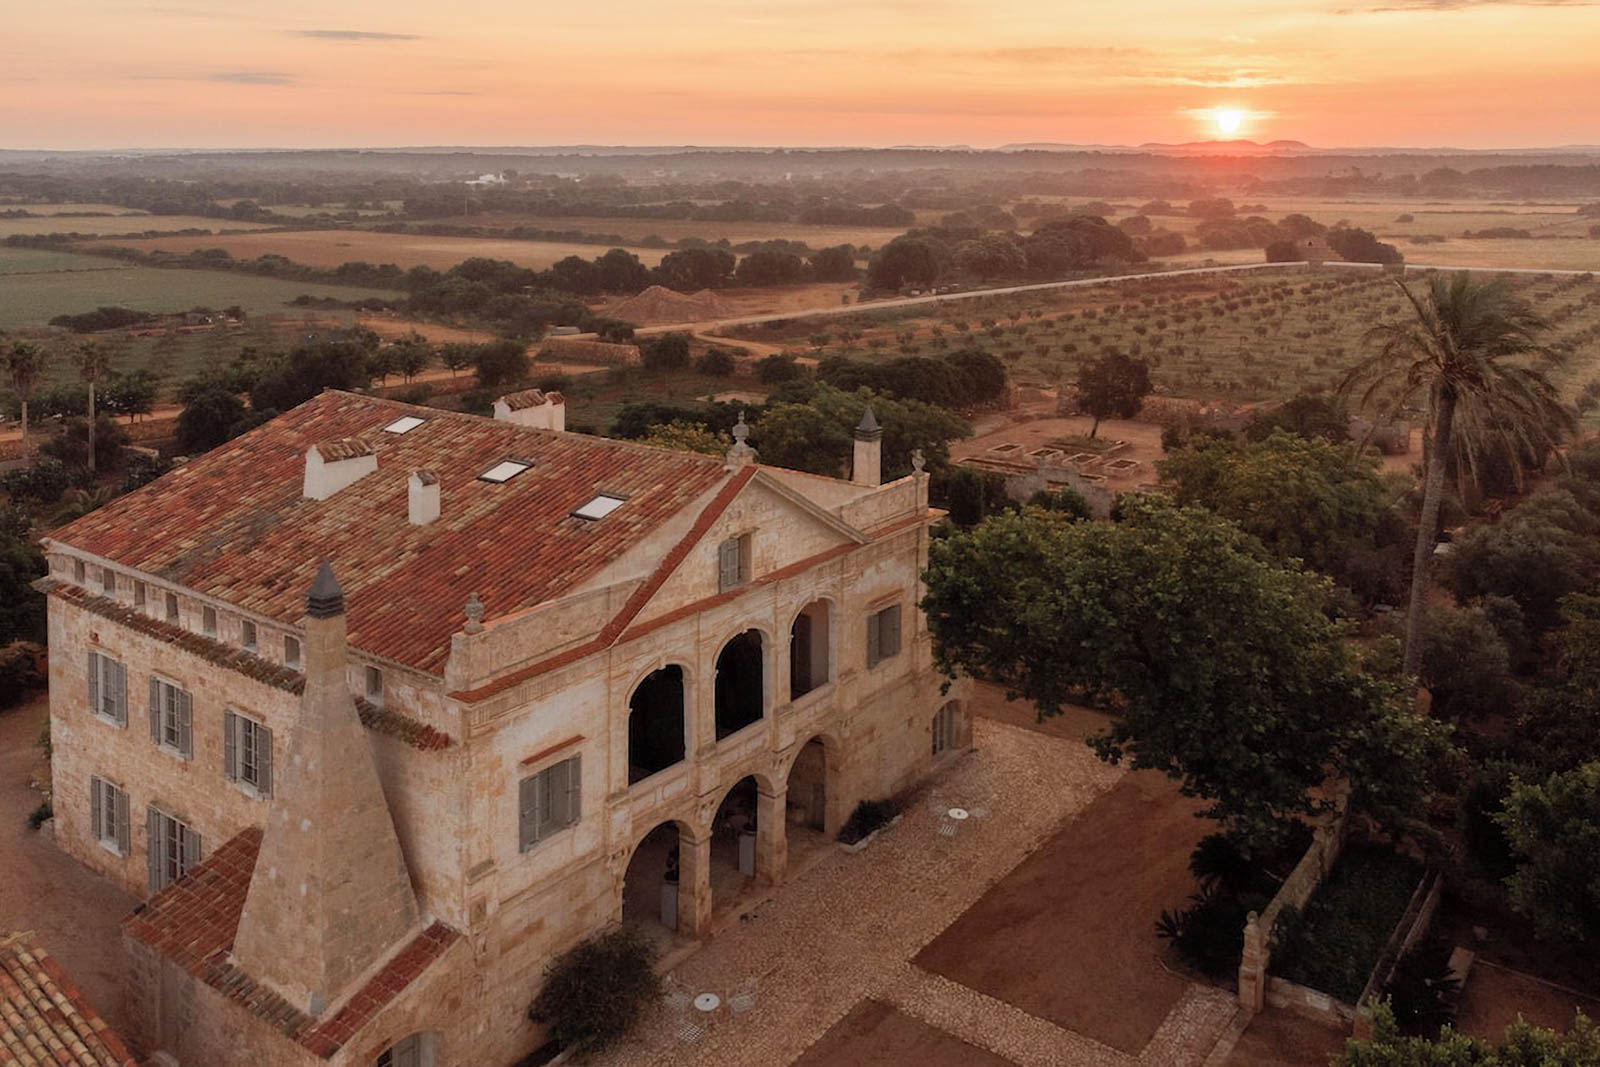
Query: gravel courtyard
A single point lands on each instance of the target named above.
(832, 949)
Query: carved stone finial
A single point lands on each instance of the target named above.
(741, 452)
(918, 460)
(474, 614)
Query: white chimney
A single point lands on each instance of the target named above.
(533, 407)
(335, 464)
(423, 497)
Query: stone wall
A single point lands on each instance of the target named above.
(1326, 843)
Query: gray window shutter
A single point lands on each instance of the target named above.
(122, 820)
(94, 682)
(527, 812)
(559, 794)
(153, 847)
(189, 841)
(574, 790)
(94, 808)
(185, 712)
(230, 746)
(264, 760)
(119, 686)
(874, 645)
(155, 711)
(889, 641)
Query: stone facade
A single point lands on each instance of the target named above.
(521, 694)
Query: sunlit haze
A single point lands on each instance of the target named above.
(197, 73)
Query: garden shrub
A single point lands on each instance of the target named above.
(1422, 991)
(19, 672)
(595, 992)
(37, 817)
(869, 816)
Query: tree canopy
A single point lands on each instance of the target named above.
(1524, 1045)
(1222, 670)
(816, 433)
(1113, 384)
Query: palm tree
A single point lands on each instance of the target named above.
(93, 361)
(1469, 351)
(25, 363)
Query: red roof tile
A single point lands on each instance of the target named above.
(44, 1018)
(234, 525)
(193, 922)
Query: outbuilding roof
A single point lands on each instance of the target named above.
(234, 523)
(44, 1019)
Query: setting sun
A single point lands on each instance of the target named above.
(1229, 121)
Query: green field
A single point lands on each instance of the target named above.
(32, 299)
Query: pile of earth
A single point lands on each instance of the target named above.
(659, 304)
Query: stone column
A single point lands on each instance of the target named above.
(1253, 967)
(772, 834)
(694, 884)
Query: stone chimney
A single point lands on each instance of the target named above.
(868, 466)
(330, 895)
(423, 497)
(533, 407)
(335, 464)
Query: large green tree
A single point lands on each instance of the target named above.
(1221, 669)
(1466, 353)
(1113, 384)
(1553, 828)
(1304, 498)
(816, 434)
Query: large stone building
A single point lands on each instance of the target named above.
(385, 705)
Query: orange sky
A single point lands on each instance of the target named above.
(209, 73)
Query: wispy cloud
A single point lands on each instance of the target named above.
(1458, 5)
(251, 77)
(354, 35)
(446, 92)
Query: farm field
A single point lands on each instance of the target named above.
(45, 261)
(1551, 253)
(635, 230)
(1213, 339)
(69, 208)
(34, 299)
(99, 226)
(329, 248)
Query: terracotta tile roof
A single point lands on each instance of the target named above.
(531, 398)
(44, 1019)
(348, 448)
(193, 921)
(234, 525)
(385, 721)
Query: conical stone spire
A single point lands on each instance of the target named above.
(866, 467)
(330, 895)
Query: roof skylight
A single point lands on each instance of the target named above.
(599, 507)
(404, 424)
(504, 471)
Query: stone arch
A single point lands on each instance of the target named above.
(658, 721)
(740, 686)
(655, 862)
(812, 784)
(811, 641)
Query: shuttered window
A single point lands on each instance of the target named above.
(172, 847)
(108, 581)
(407, 1052)
(883, 635)
(247, 752)
(549, 802)
(291, 652)
(108, 689)
(208, 621)
(171, 718)
(172, 607)
(108, 815)
(733, 563)
(247, 635)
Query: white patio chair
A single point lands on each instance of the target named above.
(743, 997)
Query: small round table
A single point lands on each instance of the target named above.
(959, 813)
(707, 1002)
